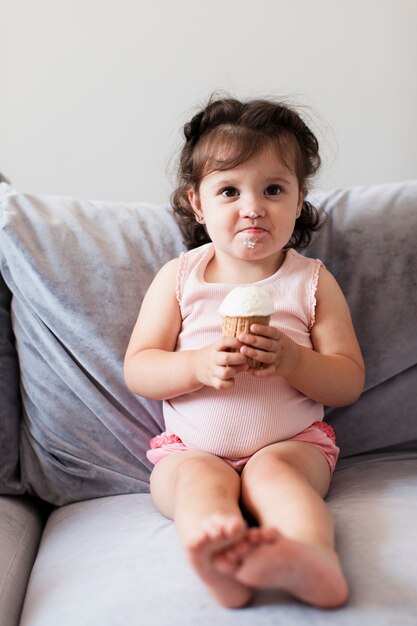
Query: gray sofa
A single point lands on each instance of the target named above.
(80, 540)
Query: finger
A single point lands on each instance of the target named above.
(226, 379)
(265, 331)
(257, 341)
(222, 384)
(225, 372)
(228, 343)
(266, 358)
(233, 359)
(262, 345)
(229, 372)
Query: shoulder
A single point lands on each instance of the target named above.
(161, 295)
(327, 282)
(296, 258)
(329, 295)
(306, 274)
(189, 259)
(172, 276)
(168, 271)
(195, 254)
(304, 269)
(164, 282)
(191, 262)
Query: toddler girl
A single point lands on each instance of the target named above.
(242, 442)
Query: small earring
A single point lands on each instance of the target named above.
(200, 219)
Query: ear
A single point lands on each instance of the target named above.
(301, 198)
(195, 202)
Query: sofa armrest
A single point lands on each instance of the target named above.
(21, 525)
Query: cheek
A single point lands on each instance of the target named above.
(286, 222)
(219, 217)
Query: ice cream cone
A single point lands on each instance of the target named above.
(234, 326)
(241, 308)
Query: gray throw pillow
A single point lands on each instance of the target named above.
(369, 246)
(78, 271)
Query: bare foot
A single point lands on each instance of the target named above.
(219, 533)
(231, 559)
(310, 573)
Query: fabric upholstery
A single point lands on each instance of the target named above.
(10, 404)
(21, 526)
(369, 246)
(78, 271)
(117, 560)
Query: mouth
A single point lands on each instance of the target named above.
(252, 231)
(250, 236)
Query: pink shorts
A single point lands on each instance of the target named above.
(319, 434)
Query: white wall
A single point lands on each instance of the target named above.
(93, 92)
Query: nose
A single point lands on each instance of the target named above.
(252, 209)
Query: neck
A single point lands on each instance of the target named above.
(227, 269)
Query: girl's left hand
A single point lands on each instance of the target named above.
(277, 353)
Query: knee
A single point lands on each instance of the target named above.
(266, 465)
(205, 472)
(191, 467)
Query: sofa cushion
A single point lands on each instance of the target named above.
(10, 396)
(369, 246)
(78, 271)
(10, 405)
(131, 568)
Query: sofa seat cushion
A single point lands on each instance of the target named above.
(117, 560)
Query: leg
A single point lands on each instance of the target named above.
(283, 486)
(201, 493)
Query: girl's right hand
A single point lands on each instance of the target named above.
(217, 365)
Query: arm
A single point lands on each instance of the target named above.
(152, 367)
(333, 373)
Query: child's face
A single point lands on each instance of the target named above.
(264, 186)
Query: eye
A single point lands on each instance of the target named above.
(229, 192)
(273, 190)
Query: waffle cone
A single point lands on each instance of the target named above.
(234, 326)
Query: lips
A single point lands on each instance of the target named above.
(253, 230)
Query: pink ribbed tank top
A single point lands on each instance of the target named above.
(237, 422)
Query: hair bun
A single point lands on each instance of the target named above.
(192, 129)
(217, 112)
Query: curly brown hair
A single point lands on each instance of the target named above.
(228, 132)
